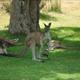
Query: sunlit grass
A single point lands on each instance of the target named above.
(62, 20)
(4, 21)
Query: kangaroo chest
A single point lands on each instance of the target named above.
(35, 38)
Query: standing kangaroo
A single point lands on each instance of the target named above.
(37, 41)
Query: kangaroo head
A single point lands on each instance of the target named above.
(47, 27)
(47, 31)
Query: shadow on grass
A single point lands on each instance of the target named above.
(47, 17)
(7, 35)
(70, 36)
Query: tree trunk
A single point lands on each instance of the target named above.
(58, 5)
(24, 16)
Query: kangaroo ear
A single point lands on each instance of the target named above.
(45, 25)
(49, 24)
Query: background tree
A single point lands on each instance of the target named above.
(49, 5)
(46, 4)
(24, 15)
(58, 5)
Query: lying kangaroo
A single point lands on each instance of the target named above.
(5, 43)
(37, 42)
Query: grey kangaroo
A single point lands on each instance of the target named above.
(37, 41)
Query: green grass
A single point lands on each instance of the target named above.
(68, 35)
(63, 64)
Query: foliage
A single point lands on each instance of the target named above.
(6, 7)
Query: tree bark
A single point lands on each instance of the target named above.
(24, 16)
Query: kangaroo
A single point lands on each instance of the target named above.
(5, 43)
(37, 42)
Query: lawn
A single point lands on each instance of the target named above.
(63, 64)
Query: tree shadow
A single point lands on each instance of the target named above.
(7, 35)
(47, 17)
(68, 35)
